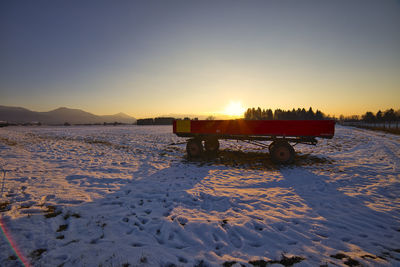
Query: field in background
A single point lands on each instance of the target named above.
(388, 127)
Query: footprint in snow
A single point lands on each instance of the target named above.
(171, 236)
(324, 235)
(129, 232)
(166, 213)
(281, 227)
(138, 226)
(380, 226)
(160, 241)
(182, 259)
(296, 221)
(182, 220)
(148, 211)
(255, 245)
(62, 257)
(258, 227)
(235, 240)
(215, 237)
(143, 220)
(219, 245)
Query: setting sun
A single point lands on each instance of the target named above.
(234, 109)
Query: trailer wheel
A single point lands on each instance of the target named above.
(194, 148)
(282, 152)
(211, 145)
(270, 147)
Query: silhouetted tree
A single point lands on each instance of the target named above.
(210, 118)
(319, 115)
(379, 116)
(258, 113)
(270, 114)
(389, 115)
(310, 114)
(369, 117)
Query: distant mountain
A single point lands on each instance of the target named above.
(20, 115)
(217, 116)
(120, 117)
(59, 116)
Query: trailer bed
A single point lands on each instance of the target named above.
(239, 129)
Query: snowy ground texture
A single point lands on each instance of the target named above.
(127, 196)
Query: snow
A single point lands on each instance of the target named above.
(113, 196)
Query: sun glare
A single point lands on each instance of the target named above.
(234, 109)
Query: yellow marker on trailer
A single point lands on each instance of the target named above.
(183, 126)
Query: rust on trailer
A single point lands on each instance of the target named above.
(285, 128)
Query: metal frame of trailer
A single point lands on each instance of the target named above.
(279, 132)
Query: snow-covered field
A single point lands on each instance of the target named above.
(127, 196)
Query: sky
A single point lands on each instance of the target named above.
(155, 58)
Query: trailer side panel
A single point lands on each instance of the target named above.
(287, 128)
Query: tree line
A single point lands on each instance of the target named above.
(156, 121)
(388, 115)
(279, 114)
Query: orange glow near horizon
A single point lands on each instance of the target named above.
(234, 109)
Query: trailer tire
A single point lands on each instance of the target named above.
(282, 152)
(270, 147)
(211, 145)
(194, 148)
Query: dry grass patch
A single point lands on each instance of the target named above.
(52, 212)
(8, 141)
(5, 206)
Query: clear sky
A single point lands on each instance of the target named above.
(151, 58)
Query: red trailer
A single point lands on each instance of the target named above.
(279, 132)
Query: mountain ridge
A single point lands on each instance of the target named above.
(59, 115)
